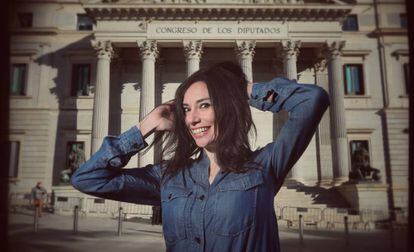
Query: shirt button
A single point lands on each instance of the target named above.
(197, 239)
(169, 196)
(201, 197)
(135, 145)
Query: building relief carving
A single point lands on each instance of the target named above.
(196, 1)
(320, 65)
(270, 10)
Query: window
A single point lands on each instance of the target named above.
(407, 77)
(18, 79)
(75, 156)
(403, 20)
(85, 23)
(14, 158)
(80, 79)
(350, 23)
(354, 81)
(25, 20)
(359, 152)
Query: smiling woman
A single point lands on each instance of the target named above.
(216, 192)
(217, 99)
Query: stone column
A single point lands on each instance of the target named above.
(245, 53)
(339, 142)
(100, 119)
(323, 137)
(192, 50)
(149, 53)
(289, 51)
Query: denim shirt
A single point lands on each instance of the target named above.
(236, 211)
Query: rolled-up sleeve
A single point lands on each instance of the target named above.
(102, 175)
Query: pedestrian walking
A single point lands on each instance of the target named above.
(38, 197)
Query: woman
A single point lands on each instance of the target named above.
(216, 193)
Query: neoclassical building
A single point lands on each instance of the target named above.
(81, 70)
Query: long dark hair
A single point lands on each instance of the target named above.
(226, 84)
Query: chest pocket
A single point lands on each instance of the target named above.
(235, 208)
(174, 200)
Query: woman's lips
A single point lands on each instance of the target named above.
(199, 132)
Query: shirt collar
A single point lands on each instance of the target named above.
(200, 170)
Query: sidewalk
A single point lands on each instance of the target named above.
(100, 235)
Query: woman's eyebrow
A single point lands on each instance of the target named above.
(198, 101)
(203, 99)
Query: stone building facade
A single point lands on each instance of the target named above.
(81, 70)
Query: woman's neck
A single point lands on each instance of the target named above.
(214, 168)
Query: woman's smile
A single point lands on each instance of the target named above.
(199, 132)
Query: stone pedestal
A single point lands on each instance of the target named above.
(370, 198)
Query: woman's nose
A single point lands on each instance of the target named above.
(193, 117)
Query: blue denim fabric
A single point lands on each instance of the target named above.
(235, 212)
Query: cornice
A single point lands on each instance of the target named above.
(35, 31)
(390, 32)
(23, 52)
(400, 52)
(280, 12)
(359, 53)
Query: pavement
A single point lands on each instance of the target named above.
(99, 234)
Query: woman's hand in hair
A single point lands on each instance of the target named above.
(159, 119)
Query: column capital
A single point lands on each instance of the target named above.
(193, 49)
(333, 49)
(289, 48)
(103, 48)
(148, 49)
(245, 49)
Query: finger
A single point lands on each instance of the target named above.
(170, 102)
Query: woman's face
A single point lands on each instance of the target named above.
(199, 114)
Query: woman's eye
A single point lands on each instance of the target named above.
(204, 105)
(185, 109)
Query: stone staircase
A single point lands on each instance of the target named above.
(296, 194)
(318, 206)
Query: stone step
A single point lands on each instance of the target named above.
(300, 195)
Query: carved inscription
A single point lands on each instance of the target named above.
(216, 29)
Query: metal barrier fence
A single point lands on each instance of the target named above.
(87, 205)
(310, 216)
(319, 217)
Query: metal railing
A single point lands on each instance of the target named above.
(319, 217)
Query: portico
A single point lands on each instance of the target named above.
(276, 36)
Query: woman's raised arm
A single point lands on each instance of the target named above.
(102, 175)
(305, 105)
